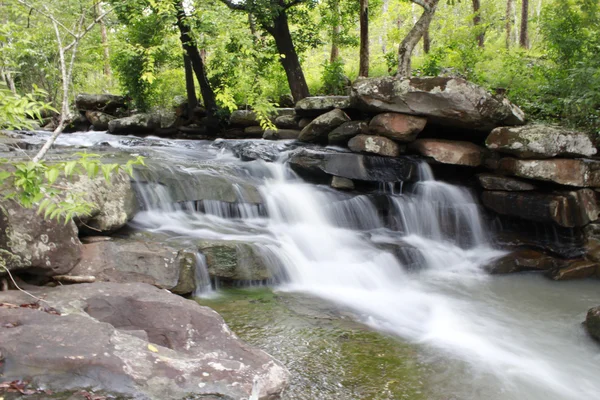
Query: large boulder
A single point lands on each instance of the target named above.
(234, 261)
(243, 118)
(346, 131)
(443, 100)
(106, 103)
(399, 127)
(592, 322)
(567, 209)
(99, 120)
(132, 340)
(450, 152)
(139, 124)
(287, 122)
(570, 172)
(541, 141)
(375, 144)
(525, 260)
(506, 183)
(30, 243)
(314, 106)
(320, 127)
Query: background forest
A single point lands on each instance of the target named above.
(545, 54)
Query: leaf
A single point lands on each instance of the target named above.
(52, 175)
(152, 348)
(70, 167)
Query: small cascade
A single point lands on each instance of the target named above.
(202, 277)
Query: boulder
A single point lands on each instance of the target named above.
(570, 172)
(567, 209)
(343, 133)
(541, 141)
(79, 123)
(30, 243)
(253, 132)
(450, 152)
(361, 167)
(287, 122)
(399, 127)
(248, 150)
(243, 118)
(375, 144)
(107, 103)
(525, 260)
(499, 182)
(314, 106)
(575, 269)
(281, 134)
(592, 322)
(320, 127)
(234, 261)
(132, 340)
(139, 124)
(443, 100)
(304, 122)
(99, 120)
(337, 182)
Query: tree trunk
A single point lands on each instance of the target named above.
(524, 37)
(190, 87)
(426, 41)
(363, 69)
(104, 39)
(409, 43)
(508, 26)
(383, 35)
(208, 96)
(335, 50)
(477, 22)
(288, 56)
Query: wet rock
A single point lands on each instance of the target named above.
(133, 340)
(579, 172)
(314, 106)
(575, 269)
(320, 127)
(324, 164)
(399, 127)
(592, 322)
(505, 183)
(139, 124)
(343, 133)
(79, 123)
(337, 182)
(30, 243)
(281, 134)
(287, 122)
(253, 132)
(375, 144)
(248, 150)
(304, 122)
(541, 141)
(525, 260)
(450, 152)
(243, 118)
(99, 120)
(106, 103)
(567, 209)
(234, 261)
(443, 100)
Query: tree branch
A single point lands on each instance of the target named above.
(49, 16)
(79, 36)
(425, 4)
(235, 6)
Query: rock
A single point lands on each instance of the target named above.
(99, 120)
(324, 164)
(304, 122)
(133, 260)
(343, 133)
(243, 118)
(443, 100)
(281, 134)
(79, 123)
(541, 141)
(567, 209)
(132, 340)
(314, 106)
(575, 269)
(248, 150)
(106, 103)
(139, 124)
(525, 260)
(592, 322)
(30, 243)
(499, 182)
(579, 172)
(337, 182)
(375, 144)
(320, 127)
(450, 152)
(234, 261)
(287, 122)
(253, 132)
(399, 127)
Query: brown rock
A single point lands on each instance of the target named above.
(575, 269)
(337, 182)
(450, 152)
(281, 134)
(578, 172)
(375, 144)
(253, 132)
(592, 322)
(525, 260)
(399, 127)
(499, 182)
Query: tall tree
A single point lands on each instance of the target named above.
(364, 39)
(272, 17)
(335, 30)
(409, 42)
(477, 23)
(190, 87)
(524, 36)
(104, 38)
(508, 22)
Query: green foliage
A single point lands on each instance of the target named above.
(334, 79)
(20, 112)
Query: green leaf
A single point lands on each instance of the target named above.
(52, 175)
(70, 167)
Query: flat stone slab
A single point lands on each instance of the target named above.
(564, 171)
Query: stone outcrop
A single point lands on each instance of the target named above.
(375, 144)
(99, 120)
(592, 322)
(320, 127)
(570, 172)
(106, 103)
(243, 118)
(541, 141)
(499, 182)
(314, 106)
(343, 133)
(132, 340)
(399, 127)
(449, 152)
(443, 100)
(139, 124)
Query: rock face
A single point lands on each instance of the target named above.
(133, 340)
(375, 144)
(106, 103)
(320, 127)
(525, 260)
(499, 182)
(343, 133)
(582, 173)
(541, 141)
(323, 164)
(99, 120)
(337, 182)
(313, 106)
(450, 152)
(232, 261)
(567, 209)
(33, 244)
(443, 100)
(399, 127)
(139, 124)
(592, 322)
(281, 134)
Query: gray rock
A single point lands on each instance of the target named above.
(287, 122)
(592, 322)
(375, 144)
(337, 182)
(499, 182)
(343, 133)
(234, 261)
(449, 151)
(106, 103)
(399, 127)
(320, 127)
(443, 100)
(281, 134)
(570, 172)
(99, 120)
(253, 132)
(541, 141)
(243, 118)
(304, 122)
(133, 340)
(314, 106)
(142, 124)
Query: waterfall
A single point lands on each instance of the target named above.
(202, 277)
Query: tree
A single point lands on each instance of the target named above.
(477, 23)
(508, 21)
(364, 38)
(408, 44)
(524, 37)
